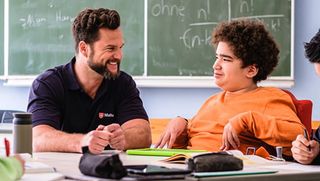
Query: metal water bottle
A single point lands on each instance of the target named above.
(22, 133)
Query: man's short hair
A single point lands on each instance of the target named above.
(88, 22)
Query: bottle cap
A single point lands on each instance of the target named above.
(22, 118)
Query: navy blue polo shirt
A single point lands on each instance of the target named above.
(56, 99)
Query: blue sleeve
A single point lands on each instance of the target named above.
(45, 101)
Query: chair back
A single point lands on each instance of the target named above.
(304, 111)
(6, 116)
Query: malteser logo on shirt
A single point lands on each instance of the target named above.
(105, 115)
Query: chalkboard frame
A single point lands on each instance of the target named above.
(2, 63)
(162, 81)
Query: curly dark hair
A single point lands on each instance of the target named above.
(312, 49)
(88, 22)
(251, 42)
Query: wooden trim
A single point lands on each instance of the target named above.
(157, 127)
(315, 124)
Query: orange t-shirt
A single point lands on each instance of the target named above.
(263, 115)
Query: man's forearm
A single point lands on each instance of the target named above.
(137, 134)
(46, 138)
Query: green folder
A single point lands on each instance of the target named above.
(161, 152)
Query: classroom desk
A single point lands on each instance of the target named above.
(67, 164)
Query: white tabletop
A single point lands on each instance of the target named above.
(67, 164)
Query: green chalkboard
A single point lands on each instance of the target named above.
(40, 33)
(166, 38)
(179, 32)
(1, 37)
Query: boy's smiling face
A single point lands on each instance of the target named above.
(228, 71)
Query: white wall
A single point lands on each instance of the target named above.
(170, 102)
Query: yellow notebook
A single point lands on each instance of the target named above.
(181, 157)
(250, 160)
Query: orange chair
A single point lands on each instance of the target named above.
(304, 111)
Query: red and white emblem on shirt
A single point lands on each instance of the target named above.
(101, 115)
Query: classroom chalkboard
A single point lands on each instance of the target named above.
(179, 32)
(162, 37)
(40, 33)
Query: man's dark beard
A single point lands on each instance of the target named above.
(102, 70)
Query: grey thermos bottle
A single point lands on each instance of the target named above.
(22, 133)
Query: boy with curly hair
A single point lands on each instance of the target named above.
(242, 115)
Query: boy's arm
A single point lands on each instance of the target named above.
(272, 130)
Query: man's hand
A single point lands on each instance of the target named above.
(300, 150)
(174, 129)
(117, 138)
(96, 140)
(229, 138)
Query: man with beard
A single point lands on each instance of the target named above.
(89, 101)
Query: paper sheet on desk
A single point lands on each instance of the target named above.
(42, 176)
(38, 167)
(295, 166)
(248, 160)
(35, 170)
(33, 166)
(253, 160)
(245, 171)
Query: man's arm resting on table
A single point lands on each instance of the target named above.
(137, 133)
(47, 138)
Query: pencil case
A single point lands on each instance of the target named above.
(213, 162)
(101, 165)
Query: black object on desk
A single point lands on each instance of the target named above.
(215, 161)
(155, 172)
(102, 165)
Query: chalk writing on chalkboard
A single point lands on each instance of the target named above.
(40, 33)
(163, 38)
(187, 51)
